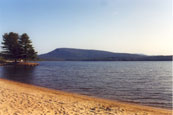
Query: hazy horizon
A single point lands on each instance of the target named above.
(136, 26)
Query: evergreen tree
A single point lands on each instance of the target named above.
(11, 46)
(27, 50)
(17, 47)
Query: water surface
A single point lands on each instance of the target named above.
(146, 82)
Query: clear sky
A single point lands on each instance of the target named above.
(129, 26)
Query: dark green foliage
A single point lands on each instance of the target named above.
(27, 50)
(11, 46)
(17, 47)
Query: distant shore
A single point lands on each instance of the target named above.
(18, 98)
(19, 64)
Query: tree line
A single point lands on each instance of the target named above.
(17, 47)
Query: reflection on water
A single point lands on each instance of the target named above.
(18, 73)
(148, 83)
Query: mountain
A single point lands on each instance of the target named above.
(71, 54)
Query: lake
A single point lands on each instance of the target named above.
(143, 82)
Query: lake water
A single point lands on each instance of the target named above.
(146, 82)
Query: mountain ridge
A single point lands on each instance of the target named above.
(74, 54)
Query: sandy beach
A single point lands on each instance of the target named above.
(22, 99)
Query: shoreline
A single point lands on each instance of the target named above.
(19, 64)
(25, 98)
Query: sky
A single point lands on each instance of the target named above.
(127, 26)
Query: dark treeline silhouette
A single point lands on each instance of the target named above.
(17, 47)
(143, 58)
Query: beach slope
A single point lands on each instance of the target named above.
(22, 99)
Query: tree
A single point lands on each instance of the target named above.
(11, 46)
(27, 50)
(17, 47)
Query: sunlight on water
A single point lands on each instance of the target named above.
(148, 83)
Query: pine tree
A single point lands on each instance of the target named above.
(17, 47)
(27, 50)
(11, 46)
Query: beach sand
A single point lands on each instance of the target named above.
(22, 99)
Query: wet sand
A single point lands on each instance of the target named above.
(22, 99)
